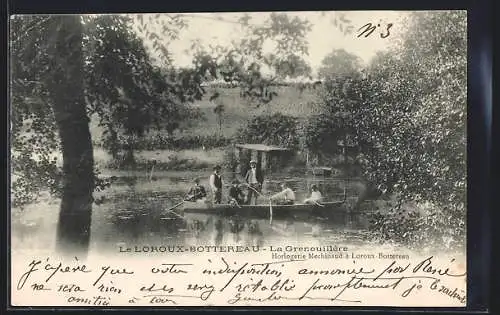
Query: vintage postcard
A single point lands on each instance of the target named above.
(239, 159)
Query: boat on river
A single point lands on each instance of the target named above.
(266, 211)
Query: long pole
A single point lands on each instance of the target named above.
(345, 169)
(151, 174)
(270, 212)
(270, 203)
(177, 205)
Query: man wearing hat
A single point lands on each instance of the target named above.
(216, 184)
(254, 179)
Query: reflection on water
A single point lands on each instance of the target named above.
(141, 218)
(159, 228)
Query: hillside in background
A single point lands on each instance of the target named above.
(238, 110)
(290, 101)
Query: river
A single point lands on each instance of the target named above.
(133, 213)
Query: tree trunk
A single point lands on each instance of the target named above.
(129, 157)
(65, 83)
(220, 127)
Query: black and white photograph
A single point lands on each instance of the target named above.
(239, 159)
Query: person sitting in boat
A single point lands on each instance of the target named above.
(285, 197)
(197, 192)
(316, 196)
(236, 196)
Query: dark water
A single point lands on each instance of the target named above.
(137, 216)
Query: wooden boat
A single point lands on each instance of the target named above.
(263, 211)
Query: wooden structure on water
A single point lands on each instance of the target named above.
(268, 158)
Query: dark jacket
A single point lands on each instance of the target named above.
(236, 193)
(196, 192)
(259, 175)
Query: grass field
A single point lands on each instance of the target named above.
(238, 111)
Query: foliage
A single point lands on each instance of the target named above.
(130, 85)
(245, 64)
(122, 86)
(33, 127)
(335, 125)
(420, 124)
(35, 135)
(339, 63)
(407, 112)
(219, 111)
(126, 90)
(276, 129)
(408, 224)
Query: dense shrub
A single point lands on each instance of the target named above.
(418, 226)
(407, 114)
(276, 129)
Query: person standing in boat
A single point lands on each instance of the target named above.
(236, 196)
(254, 179)
(197, 192)
(216, 184)
(285, 197)
(316, 196)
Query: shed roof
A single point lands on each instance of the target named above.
(261, 147)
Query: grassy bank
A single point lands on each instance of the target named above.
(166, 159)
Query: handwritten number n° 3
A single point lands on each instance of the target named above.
(387, 30)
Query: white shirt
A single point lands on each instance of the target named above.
(253, 176)
(315, 196)
(212, 182)
(286, 194)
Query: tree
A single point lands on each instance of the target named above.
(56, 46)
(33, 127)
(276, 129)
(339, 63)
(419, 122)
(52, 100)
(128, 93)
(219, 111)
(245, 62)
(410, 120)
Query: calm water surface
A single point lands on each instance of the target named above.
(134, 214)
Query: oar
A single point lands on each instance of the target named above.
(270, 203)
(151, 174)
(270, 212)
(180, 203)
(318, 204)
(258, 192)
(177, 205)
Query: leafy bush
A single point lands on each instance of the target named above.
(32, 176)
(407, 113)
(276, 129)
(418, 227)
